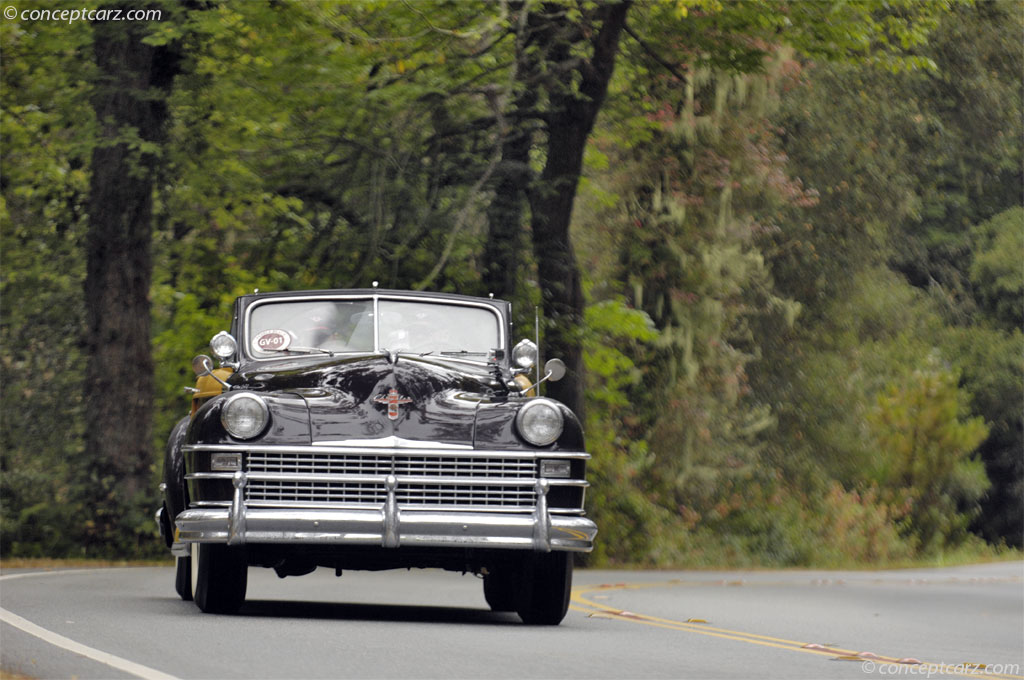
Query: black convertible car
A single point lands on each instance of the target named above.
(373, 429)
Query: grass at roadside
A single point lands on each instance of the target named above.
(8, 675)
(54, 563)
(967, 554)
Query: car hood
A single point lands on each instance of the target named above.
(378, 400)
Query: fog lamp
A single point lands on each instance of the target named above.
(225, 462)
(560, 469)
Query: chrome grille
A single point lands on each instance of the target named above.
(415, 465)
(318, 463)
(425, 495)
(313, 493)
(424, 481)
(490, 468)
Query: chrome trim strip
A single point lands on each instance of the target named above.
(159, 520)
(382, 479)
(376, 322)
(301, 448)
(328, 505)
(325, 505)
(210, 475)
(392, 443)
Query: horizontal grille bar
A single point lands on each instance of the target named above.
(374, 451)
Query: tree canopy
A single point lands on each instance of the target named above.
(778, 244)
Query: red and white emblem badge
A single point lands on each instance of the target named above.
(393, 400)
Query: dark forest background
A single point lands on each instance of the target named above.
(780, 246)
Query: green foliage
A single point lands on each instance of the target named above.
(998, 268)
(928, 450)
(824, 527)
(903, 166)
(617, 338)
(45, 127)
(770, 380)
(991, 363)
(349, 160)
(771, 245)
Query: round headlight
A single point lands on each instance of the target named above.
(540, 422)
(524, 354)
(244, 415)
(223, 345)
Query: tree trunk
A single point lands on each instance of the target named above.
(505, 216)
(130, 103)
(502, 259)
(570, 120)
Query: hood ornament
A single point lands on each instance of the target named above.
(393, 400)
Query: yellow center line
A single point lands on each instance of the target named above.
(578, 596)
(582, 604)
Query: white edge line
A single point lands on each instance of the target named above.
(75, 647)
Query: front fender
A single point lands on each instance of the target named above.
(289, 421)
(174, 474)
(495, 427)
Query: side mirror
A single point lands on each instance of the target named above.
(202, 365)
(554, 370)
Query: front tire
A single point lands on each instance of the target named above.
(501, 589)
(183, 577)
(547, 585)
(219, 577)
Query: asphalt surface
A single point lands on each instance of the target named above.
(128, 622)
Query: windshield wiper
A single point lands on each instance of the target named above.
(463, 352)
(306, 350)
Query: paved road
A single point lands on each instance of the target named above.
(124, 623)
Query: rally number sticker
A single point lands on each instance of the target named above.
(272, 340)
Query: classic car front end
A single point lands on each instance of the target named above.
(373, 430)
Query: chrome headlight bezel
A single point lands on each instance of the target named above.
(540, 422)
(233, 419)
(223, 345)
(524, 354)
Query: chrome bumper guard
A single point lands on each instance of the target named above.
(387, 526)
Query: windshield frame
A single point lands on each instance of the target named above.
(244, 344)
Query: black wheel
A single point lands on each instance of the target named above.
(501, 589)
(547, 582)
(183, 577)
(219, 576)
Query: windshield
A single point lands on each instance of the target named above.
(324, 325)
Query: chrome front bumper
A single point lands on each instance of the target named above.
(387, 526)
